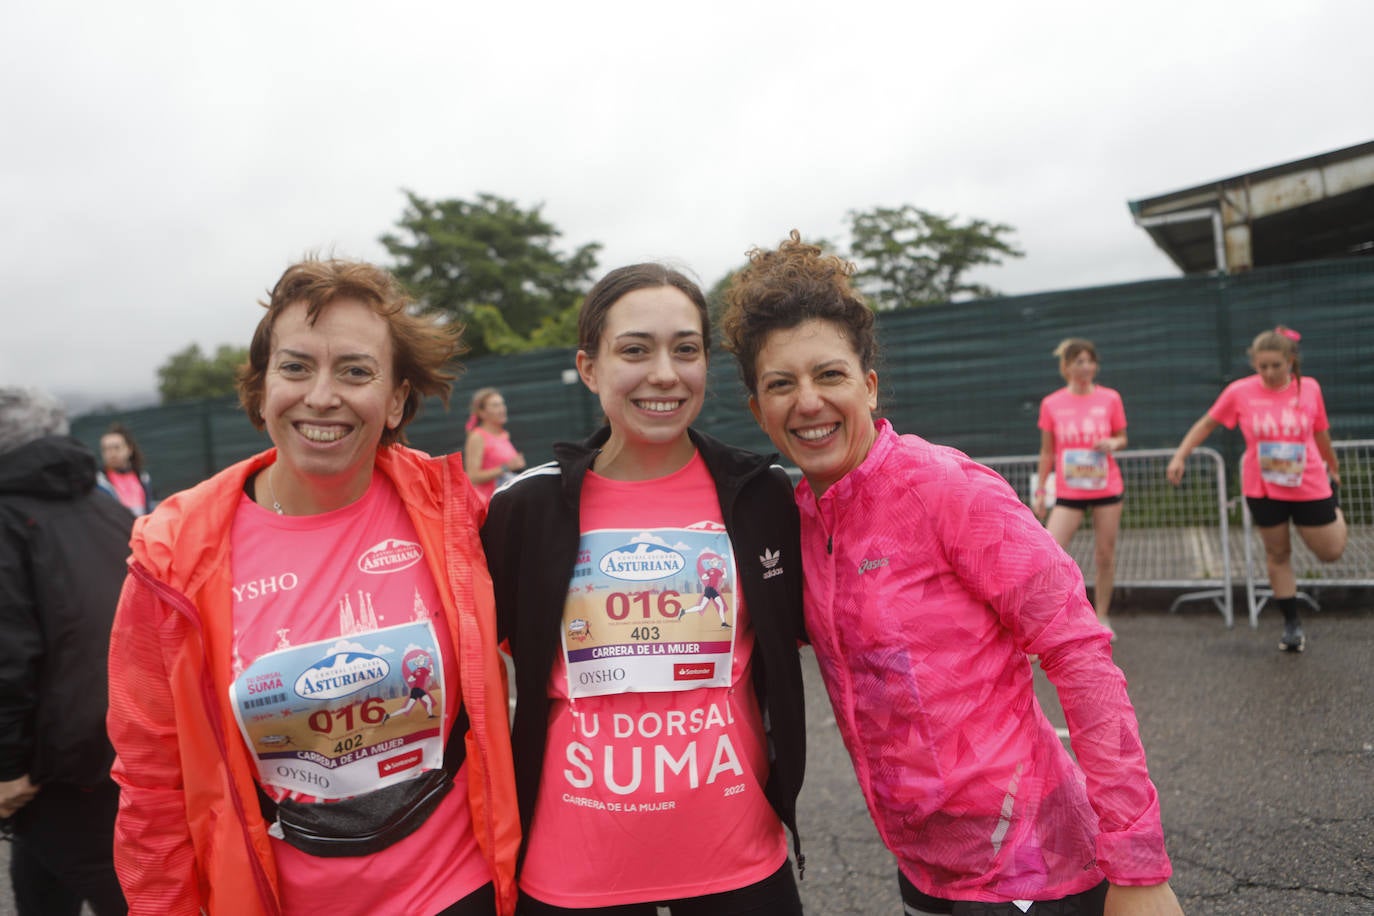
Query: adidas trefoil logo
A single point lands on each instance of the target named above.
(770, 560)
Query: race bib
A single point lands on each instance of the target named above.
(1085, 469)
(341, 717)
(650, 611)
(1282, 463)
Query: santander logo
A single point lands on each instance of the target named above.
(389, 556)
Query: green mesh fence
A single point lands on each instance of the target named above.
(969, 375)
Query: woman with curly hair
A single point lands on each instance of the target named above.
(928, 582)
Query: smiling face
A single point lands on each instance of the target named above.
(649, 370)
(329, 392)
(815, 400)
(1273, 367)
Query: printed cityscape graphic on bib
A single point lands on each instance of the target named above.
(650, 611)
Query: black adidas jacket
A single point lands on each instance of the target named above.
(531, 537)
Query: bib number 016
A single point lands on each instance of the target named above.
(369, 712)
(619, 605)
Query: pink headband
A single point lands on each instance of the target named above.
(1289, 333)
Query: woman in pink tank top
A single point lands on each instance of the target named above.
(488, 455)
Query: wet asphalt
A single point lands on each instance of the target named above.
(1264, 763)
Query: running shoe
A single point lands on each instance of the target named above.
(1293, 639)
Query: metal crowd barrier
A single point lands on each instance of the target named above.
(1356, 565)
(1181, 537)
(1170, 537)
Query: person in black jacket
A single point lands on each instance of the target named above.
(666, 748)
(63, 546)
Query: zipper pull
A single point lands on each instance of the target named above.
(830, 544)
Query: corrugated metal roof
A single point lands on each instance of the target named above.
(1318, 207)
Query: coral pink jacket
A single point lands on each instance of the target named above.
(927, 583)
(190, 836)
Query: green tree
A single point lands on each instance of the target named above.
(190, 374)
(908, 256)
(458, 255)
(489, 326)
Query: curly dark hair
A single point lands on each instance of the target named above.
(422, 347)
(783, 288)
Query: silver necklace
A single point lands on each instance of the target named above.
(272, 491)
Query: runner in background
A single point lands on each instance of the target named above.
(658, 753)
(1081, 426)
(122, 474)
(488, 455)
(1289, 471)
(259, 653)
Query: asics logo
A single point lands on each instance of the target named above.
(866, 565)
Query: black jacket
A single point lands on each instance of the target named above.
(531, 537)
(63, 546)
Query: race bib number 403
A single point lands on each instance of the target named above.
(650, 611)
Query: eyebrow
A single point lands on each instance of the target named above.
(341, 358)
(645, 335)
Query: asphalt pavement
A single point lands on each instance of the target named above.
(1264, 763)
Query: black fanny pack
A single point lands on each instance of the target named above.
(368, 823)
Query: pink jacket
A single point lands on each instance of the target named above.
(927, 583)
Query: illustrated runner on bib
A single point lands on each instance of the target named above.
(711, 571)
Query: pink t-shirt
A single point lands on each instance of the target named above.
(496, 451)
(1078, 422)
(1281, 459)
(129, 489)
(652, 788)
(344, 671)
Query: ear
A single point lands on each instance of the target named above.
(397, 407)
(758, 414)
(871, 382)
(585, 364)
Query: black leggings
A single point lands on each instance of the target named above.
(1087, 903)
(481, 902)
(63, 852)
(775, 895)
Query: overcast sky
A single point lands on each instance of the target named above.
(162, 163)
